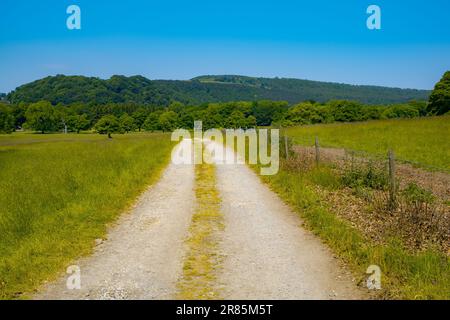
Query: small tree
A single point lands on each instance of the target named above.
(139, 117)
(6, 119)
(152, 121)
(41, 117)
(126, 123)
(251, 122)
(76, 123)
(168, 121)
(440, 97)
(107, 124)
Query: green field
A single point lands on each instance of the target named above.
(423, 140)
(58, 193)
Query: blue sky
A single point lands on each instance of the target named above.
(177, 39)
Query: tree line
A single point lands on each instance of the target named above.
(43, 117)
(110, 118)
(204, 89)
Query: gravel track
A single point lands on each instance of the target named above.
(266, 253)
(142, 257)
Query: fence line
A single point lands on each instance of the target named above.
(368, 155)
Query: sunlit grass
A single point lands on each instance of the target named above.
(422, 140)
(59, 192)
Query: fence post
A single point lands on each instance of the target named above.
(286, 148)
(317, 150)
(392, 186)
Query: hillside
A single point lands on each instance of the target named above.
(138, 89)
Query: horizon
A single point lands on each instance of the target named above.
(324, 41)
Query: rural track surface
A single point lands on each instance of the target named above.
(143, 254)
(266, 253)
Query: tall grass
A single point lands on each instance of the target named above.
(405, 275)
(59, 192)
(422, 140)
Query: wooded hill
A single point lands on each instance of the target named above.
(224, 88)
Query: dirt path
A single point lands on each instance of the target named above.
(142, 258)
(268, 255)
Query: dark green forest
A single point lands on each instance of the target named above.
(76, 104)
(205, 89)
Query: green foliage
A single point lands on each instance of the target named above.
(401, 111)
(107, 125)
(18, 111)
(139, 90)
(415, 194)
(139, 117)
(152, 121)
(309, 113)
(266, 111)
(41, 117)
(365, 176)
(6, 119)
(440, 97)
(76, 123)
(126, 123)
(346, 111)
(168, 121)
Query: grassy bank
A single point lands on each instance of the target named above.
(405, 274)
(59, 192)
(423, 140)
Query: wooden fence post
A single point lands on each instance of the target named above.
(317, 150)
(392, 186)
(286, 148)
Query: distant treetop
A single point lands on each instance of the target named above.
(222, 88)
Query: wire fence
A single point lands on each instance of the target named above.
(400, 171)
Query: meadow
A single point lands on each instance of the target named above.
(406, 273)
(59, 192)
(424, 141)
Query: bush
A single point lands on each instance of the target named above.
(366, 177)
(400, 111)
(414, 194)
(346, 111)
(309, 113)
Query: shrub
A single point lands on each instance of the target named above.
(400, 111)
(346, 111)
(366, 177)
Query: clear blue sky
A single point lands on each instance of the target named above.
(179, 39)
